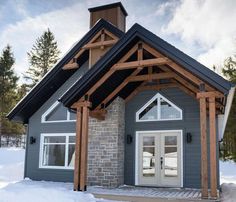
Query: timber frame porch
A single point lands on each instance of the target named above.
(138, 62)
(153, 71)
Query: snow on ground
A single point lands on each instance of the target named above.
(28, 191)
(228, 181)
(11, 165)
(13, 188)
(227, 172)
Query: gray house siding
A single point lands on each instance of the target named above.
(35, 128)
(189, 124)
(106, 142)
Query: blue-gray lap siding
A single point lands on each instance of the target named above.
(189, 124)
(35, 128)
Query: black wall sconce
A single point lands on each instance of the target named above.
(129, 139)
(32, 140)
(189, 138)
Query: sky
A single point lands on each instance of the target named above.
(204, 29)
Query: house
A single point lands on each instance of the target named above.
(125, 108)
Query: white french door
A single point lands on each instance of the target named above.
(159, 158)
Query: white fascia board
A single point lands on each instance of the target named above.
(222, 119)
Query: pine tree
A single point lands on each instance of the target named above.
(43, 55)
(229, 140)
(8, 93)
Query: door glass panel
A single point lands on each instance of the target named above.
(170, 160)
(170, 140)
(168, 111)
(148, 155)
(148, 141)
(150, 112)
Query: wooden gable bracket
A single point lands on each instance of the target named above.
(101, 35)
(98, 114)
(72, 64)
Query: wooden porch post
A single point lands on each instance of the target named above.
(204, 174)
(212, 122)
(84, 149)
(77, 149)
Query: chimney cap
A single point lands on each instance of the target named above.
(113, 5)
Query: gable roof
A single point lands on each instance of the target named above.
(55, 78)
(136, 33)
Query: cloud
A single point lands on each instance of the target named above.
(209, 25)
(67, 25)
(163, 8)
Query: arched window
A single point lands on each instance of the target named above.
(159, 108)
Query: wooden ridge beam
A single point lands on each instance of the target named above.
(141, 63)
(149, 77)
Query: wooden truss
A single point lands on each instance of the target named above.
(177, 77)
(101, 40)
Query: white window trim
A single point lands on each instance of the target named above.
(67, 135)
(158, 96)
(137, 149)
(50, 109)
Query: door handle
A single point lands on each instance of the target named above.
(161, 162)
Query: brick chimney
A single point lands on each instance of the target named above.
(114, 13)
(104, 40)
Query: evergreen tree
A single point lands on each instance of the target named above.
(8, 93)
(43, 55)
(229, 141)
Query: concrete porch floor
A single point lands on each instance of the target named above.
(147, 194)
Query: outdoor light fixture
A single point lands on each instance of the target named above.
(189, 138)
(129, 139)
(32, 140)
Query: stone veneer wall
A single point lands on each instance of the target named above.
(106, 147)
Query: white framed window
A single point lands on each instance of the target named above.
(159, 108)
(57, 113)
(57, 150)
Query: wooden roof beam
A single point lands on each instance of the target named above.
(177, 67)
(157, 87)
(140, 63)
(100, 44)
(149, 77)
(211, 94)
